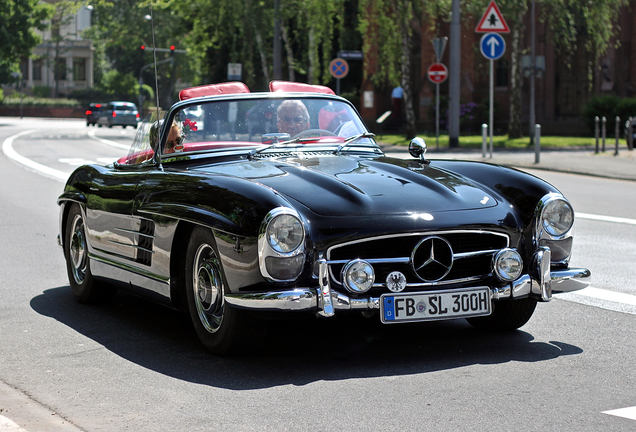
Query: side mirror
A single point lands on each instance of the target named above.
(417, 148)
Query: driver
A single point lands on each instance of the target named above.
(292, 117)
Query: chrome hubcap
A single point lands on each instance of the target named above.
(77, 249)
(208, 288)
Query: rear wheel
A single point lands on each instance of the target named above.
(221, 329)
(507, 315)
(85, 288)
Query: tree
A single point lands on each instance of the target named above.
(19, 20)
(589, 25)
(62, 16)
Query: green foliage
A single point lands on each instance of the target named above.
(119, 85)
(1, 95)
(14, 100)
(587, 25)
(41, 91)
(19, 22)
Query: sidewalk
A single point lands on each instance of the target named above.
(575, 161)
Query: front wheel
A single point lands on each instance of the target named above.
(221, 329)
(85, 288)
(507, 315)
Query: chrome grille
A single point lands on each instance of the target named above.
(472, 251)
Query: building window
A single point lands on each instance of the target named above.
(501, 73)
(79, 69)
(37, 70)
(60, 69)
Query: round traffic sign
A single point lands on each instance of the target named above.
(339, 68)
(492, 46)
(437, 73)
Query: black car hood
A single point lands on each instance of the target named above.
(343, 185)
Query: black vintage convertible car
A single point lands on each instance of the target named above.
(234, 219)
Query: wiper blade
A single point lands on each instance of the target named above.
(280, 144)
(353, 139)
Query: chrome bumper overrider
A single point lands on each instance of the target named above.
(323, 300)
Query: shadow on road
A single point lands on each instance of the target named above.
(296, 352)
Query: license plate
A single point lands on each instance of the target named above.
(434, 305)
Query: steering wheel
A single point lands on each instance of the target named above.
(314, 132)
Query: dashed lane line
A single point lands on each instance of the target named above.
(606, 218)
(628, 413)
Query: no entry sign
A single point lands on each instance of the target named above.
(437, 73)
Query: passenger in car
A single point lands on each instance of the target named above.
(174, 136)
(292, 117)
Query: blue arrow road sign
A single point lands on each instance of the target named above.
(492, 46)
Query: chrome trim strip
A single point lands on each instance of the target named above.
(304, 299)
(540, 272)
(570, 280)
(129, 268)
(430, 284)
(521, 287)
(132, 246)
(424, 233)
(133, 232)
(325, 307)
(407, 260)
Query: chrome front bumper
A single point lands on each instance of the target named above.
(325, 301)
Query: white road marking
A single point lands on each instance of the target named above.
(109, 142)
(7, 149)
(7, 425)
(601, 298)
(606, 218)
(628, 413)
(82, 161)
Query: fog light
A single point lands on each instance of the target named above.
(508, 264)
(358, 276)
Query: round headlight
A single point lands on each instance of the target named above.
(358, 276)
(508, 264)
(285, 233)
(557, 217)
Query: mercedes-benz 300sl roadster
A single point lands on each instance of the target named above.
(234, 206)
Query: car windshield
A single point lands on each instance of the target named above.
(259, 124)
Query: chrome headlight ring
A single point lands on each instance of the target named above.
(281, 245)
(554, 217)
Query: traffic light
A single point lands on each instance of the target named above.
(172, 47)
(143, 47)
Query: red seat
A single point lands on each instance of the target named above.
(289, 86)
(213, 89)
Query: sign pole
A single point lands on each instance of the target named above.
(437, 115)
(492, 96)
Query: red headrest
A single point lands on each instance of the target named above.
(289, 86)
(213, 89)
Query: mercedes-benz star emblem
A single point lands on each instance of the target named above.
(432, 259)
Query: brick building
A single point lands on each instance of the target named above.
(560, 93)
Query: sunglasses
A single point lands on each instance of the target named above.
(298, 120)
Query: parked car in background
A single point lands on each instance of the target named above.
(119, 114)
(93, 112)
(236, 226)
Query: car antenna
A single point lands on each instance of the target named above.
(154, 55)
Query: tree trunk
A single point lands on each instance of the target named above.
(290, 54)
(407, 97)
(313, 58)
(516, 76)
(261, 52)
